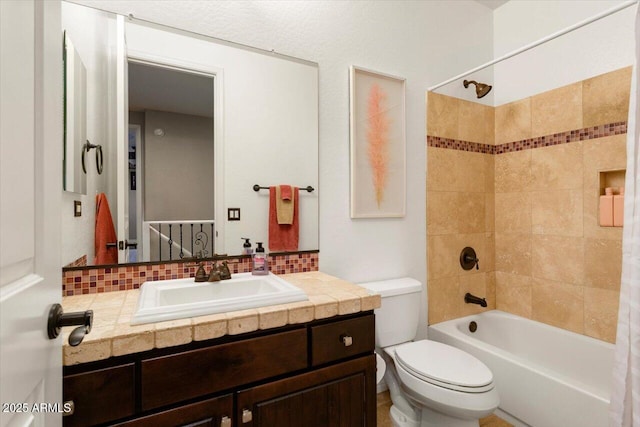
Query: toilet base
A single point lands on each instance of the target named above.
(431, 418)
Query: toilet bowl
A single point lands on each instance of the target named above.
(431, 384)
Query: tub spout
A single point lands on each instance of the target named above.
(472, 299)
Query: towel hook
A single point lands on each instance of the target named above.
(99, 156)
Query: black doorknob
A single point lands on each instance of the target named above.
(58, 320)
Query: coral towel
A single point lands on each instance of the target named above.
(105, 233)
(283, 237)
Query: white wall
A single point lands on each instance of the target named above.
(600, 47)
(425, 42)
(178, 167)
(89, 31)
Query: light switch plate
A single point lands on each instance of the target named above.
(77, 208)
(233, 214)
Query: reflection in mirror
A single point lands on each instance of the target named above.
(261, 124)
(171, 197)
(75, 119)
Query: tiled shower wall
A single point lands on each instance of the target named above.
(546, 256)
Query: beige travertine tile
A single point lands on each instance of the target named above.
(603, 263)
(443, 256)
(606, 97)
(558, 167)
(513, 253)
(347, 303)
(455, 170)
(77, 302)
(558, 304)
(488, 253)
(558, 258)
(557, 212)
(370, 302)
(513, 172)
(601, 313)
(442, 115)
(87, 352)
(475, 284)
(209, 327)
(301, 312)
(475, 122)
(454, 212)
(129, 344)
(173, 332)
(513, 121)
(325, 306)
(489, 211)
(491, 290)
(109, 300)
(557, 110)
(105, 316)
(603, 154)
(513, 296)
(239, 322)
(444, 299)
(513, 212)
(489, 173)
(273, 316)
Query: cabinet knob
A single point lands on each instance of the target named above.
(346, 340)
(247, 416)
(225, 422)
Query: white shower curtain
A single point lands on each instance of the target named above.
(624, 410)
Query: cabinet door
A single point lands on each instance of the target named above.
(342, 395)
(216, 412)
(100, 396)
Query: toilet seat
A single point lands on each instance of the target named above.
(444, 366)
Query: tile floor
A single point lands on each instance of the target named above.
(384, 403)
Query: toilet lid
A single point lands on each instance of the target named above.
(443, 365)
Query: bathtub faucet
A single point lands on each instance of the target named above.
(472, 299)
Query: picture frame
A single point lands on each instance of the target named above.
(377, 144)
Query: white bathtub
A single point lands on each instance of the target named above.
(546, 376)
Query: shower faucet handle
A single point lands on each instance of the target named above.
(468, 259)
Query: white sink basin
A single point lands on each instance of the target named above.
(180, 298)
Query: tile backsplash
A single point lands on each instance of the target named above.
(90, 280)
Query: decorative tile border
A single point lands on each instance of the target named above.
(126, 277)
(583, 134)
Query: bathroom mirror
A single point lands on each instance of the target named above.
(265, 132)
(75, 119)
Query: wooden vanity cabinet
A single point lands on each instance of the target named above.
(316, 374)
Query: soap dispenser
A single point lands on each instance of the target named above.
(260, 261)
(246, 248)
(618, 208)
(606, 208)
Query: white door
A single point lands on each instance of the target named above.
(30, 193)
(122, 140)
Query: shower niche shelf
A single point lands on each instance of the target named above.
(611, 203)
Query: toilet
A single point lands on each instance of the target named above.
(431, 384)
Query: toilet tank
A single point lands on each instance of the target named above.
(397, 318)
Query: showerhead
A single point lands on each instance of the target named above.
(481, 88)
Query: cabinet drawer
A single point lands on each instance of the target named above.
(100, 396)
(211, 412)
(174, 378)
(346, 338)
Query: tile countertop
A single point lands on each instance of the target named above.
(113, 335)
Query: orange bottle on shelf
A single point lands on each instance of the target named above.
(618, 208)
(606, 208)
